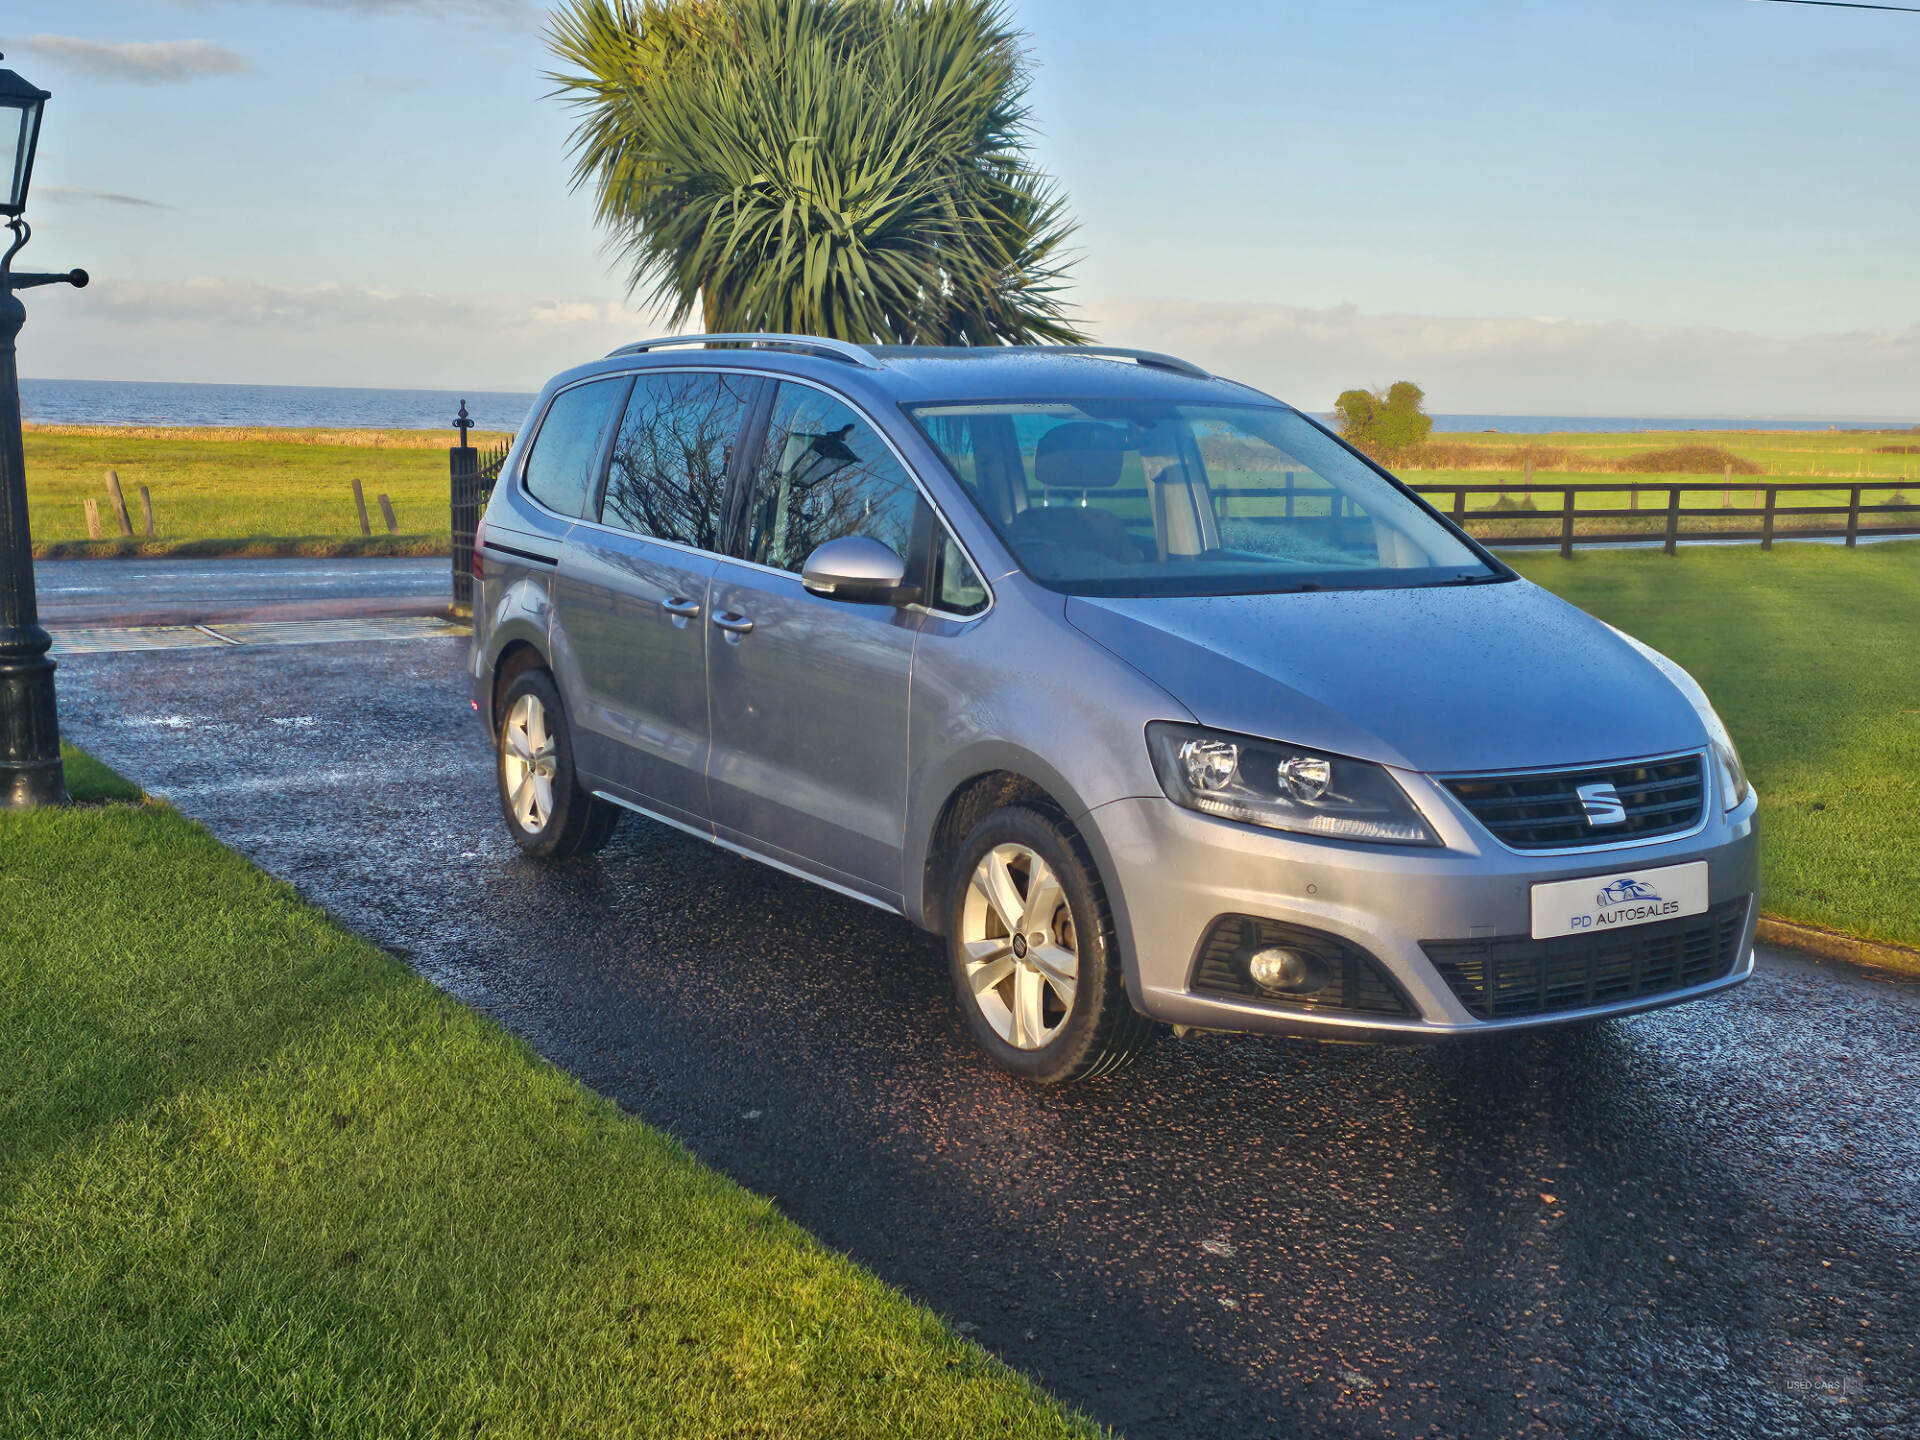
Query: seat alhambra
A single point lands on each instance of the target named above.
(1154, 698)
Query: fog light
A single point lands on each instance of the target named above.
(1287, 971)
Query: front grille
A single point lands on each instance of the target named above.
(1545, 811)
(1503, 977)
(1355, 979)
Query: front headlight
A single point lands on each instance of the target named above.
(1734, 786)
(1262, 782)
(1733, 775)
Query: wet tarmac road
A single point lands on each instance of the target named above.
(1702, 1222)
(194, 592)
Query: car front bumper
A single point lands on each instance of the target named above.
(1177, 872)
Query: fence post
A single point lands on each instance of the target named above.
(386, 514)
(146, 510)
(360, 506)
(1566, 523)
(1673, 518)
(1726, 488)
(1766, 527)
(1460, 508)
(119, 503)
(1853, 517)
(463, 469)
(93, 519)
(1289, 494)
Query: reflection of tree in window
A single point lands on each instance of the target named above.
(825, 476)
(669, 475)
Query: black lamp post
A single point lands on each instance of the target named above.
(30, 771)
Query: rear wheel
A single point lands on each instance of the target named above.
(547, 812)
(1031, 946)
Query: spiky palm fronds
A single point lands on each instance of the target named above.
(854, 168)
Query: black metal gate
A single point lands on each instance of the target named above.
(472, 473)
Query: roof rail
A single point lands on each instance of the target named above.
(807, 344)
(1152, 359)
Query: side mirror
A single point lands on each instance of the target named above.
(860, 569)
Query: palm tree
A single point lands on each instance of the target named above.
(852, 168)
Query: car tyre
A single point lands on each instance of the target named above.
(547, 812)
(1031, 947)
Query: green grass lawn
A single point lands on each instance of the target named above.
(258, 1178)
(234, 486)
(1812, 655)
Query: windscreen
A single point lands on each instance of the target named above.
(1140, 498)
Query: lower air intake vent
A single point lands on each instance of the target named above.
(1501, 978)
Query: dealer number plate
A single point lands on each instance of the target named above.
(1613, 902)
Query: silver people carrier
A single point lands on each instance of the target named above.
(1154, 698)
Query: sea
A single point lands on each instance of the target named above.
(139, 402)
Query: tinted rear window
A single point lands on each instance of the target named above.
(560, 472)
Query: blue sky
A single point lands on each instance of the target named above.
(1561, 206)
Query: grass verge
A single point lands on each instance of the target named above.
(1809, 653)
(258, 1178)
(246, 487)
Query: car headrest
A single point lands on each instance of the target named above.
(1084, 455)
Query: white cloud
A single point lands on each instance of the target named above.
(226, 330)
(152, 61)
(1546, 365)
(216, 329)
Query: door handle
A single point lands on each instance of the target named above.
(680, 605)
(732, 623)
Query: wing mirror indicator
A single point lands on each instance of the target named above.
(860, 569)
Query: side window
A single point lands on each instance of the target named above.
(560, 469)
(824, 474)
(962, 591)
(670, 459)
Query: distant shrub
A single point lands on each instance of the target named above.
(1687, 460)
(1386, 424)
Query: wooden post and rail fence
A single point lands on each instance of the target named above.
(1875, 509)
(1551, 514)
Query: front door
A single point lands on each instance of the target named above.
(631, 599)
(809, 696)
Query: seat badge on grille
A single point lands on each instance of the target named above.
(1602, 805)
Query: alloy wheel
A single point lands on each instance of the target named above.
(527, 759)
(1022, 954)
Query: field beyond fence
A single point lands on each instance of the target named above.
(258, 491)
(240, 491)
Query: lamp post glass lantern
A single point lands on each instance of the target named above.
(20, 107)
(30, 770)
